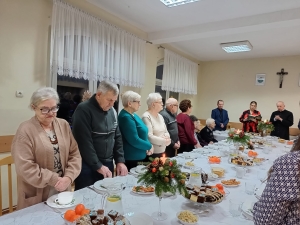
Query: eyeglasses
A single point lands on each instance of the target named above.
(159, 103)
(45, 110)
(137, 101)
(175, 105)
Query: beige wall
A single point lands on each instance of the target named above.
(234, 82)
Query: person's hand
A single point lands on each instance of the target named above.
(178, 142)
(62, 184)
(245, 119)
(176, 146)
(168, 141)
(150, 151)
(105, 171)
(211, 142)
(198, 145)
(121, 169)
(254, 120)
(277, 117)
(221, 125)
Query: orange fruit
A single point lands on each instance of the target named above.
(219, 186)
(222, 192)
(76, 217)
(85, 212)
(69, 214)
(79, 208)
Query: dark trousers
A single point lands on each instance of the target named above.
(170, 151)
(133, 163)
(185, 148)
(88, 176)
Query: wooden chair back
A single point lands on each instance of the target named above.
(7, 161)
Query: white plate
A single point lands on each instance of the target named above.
(186, 223)
(142, 193)
(258, 191)
(139, 218)
(77, 198)
(247, 208)
(140, 169)
(226, 185)
(99, 185)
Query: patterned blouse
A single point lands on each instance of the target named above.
(249, 125)
(57, 162)
(280, 200)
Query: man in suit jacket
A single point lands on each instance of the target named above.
(220, 116)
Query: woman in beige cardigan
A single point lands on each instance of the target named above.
(45, 153)
(158, 134)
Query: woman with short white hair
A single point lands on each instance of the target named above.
(134, 132)
(207, 132)
(45, 153)
(157, 130)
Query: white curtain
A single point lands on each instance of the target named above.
(83, 46)
(180, 74)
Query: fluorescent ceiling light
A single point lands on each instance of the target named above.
(239, 46)
(171, 3)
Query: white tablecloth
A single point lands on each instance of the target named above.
(218, 215)
(220, 135)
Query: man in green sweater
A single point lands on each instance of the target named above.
(96, 130)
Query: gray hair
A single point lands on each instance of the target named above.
(209, 121)
(171, 101)
(129, 96)
(43, 94)
(153, 97)
(106, 86)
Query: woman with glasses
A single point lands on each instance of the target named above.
(45, 153)
(157, 131)
(134, 132)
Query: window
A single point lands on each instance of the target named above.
(159, 74)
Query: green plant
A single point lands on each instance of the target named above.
(238, 136)
(265, 126)
(164, 176)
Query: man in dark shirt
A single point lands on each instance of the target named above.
(220, 116)
(282, 119)
(96, 130)
(169, 115)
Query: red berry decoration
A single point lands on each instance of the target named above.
(171, 164)
(153, 170)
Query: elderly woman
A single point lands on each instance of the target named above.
(45, 153)
(279, 203)
(197, 130)
(186, 128)
(250, 118)
(207, 132)
(157, 131)
(134, 132)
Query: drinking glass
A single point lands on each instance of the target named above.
(249, 187)
(262, 176)
(235, 207)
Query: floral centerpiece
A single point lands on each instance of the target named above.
(239, 137)
(265, 126)
(165, 175)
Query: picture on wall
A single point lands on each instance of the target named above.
(260, 79)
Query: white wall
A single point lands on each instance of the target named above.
(234, 82)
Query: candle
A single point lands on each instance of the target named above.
(163, 158)
(238, 131)
(265, 121)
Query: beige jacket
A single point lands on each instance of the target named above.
(34, 159)
(157, 130)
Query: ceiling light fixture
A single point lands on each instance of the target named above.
(171, 3)
(239, 46)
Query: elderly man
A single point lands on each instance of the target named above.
(207, 132)
(220, 116)
(95, 128)
(169, 115)
(282, 119)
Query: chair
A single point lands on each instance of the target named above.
(3, 162)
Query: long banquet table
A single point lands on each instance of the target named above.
(218, 214)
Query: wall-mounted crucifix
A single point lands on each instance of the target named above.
(281, 74)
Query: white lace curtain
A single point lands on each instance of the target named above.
(180, 74)
(83, 46)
